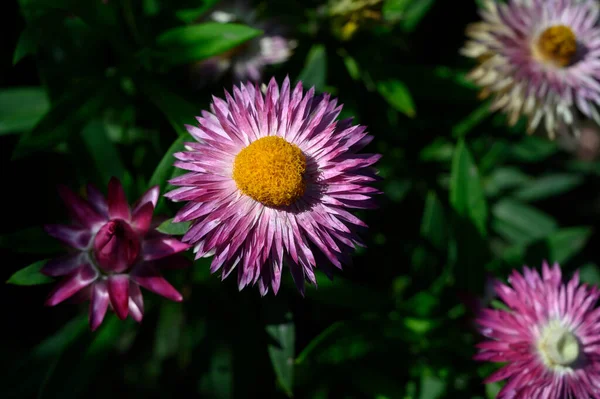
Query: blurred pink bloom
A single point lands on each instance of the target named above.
(116, 249)
(549, 336)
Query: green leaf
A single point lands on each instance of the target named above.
(533, 149)
(324, 336)
(415, 13)
(590, 274)
(191, 15)
(314, 72)
(168, 330)
(201, 41)
(65, 118)
(566, 243)
(177, 109)
(22, 108)
(432, 387)
(472, 120)
(25, 46)
(102, 151)
(165, 168)
(505, 179)
(548, 186)
(521, 223)
(466, 191)
(433, 224)
(30, 275)
(281, 352)
(174, 229)
(218, 382)
(393, 10)
(397, 95)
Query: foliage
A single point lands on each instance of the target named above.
(103, 88)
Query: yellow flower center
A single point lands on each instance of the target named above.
(558, 45)
(558, 346)
(270, 170)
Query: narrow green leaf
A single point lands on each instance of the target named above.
(201, 41)
(22, 108)
(393, 10)
(164, 169)
(25, 46)
(466, 191)
(566, 243)
(191, 15)
(324, 336)
(102, 151)
(314, 72)
(433, 224)
(168, 330)
(65, 118)
(177, 109)
(281, 352)
(521, 223)
(505, 178)
(533, 149)
(548, 186)
(30, 275)
(174, 229)
(415, 13)
(472, 120)
(398, 96)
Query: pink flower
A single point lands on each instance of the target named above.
(116, 250)
(549, 338)
(272, 179)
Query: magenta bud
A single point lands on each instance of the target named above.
(116, 246)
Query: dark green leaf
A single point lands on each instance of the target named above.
(432, 387)
(590, 274)
(164, 169)
(102, 151)
(22, 108)
(201, 41)
(504, 179)
(521, 223)
(25, 46)
(533, 149)
(433, 224)
(191, 15)
(168, 330)
(548, 186)
(466, 192)
(281, 352)
(397, 95)
(30, 275)
(393, 10)
(174, 229)
(566, 243)
(472, 120)
(177, 109)
(414, 13)
(331, 331)
(314, 72)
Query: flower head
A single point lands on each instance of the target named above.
(271, 180)
(539, 59)
(116, 249)
(247, 61)
(548, 336)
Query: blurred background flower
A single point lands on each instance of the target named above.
(248, 60)
(538, 59)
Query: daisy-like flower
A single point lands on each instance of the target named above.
(272, 178)
(115, 250)
(539, 59)
(549, 337)
(247, 61)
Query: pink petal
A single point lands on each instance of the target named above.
(97, 200)
(118, 208)
(150, 196)
(161, 247)
(98, 304)
(65, 264)
(148, 277)
(118, 291)
(142, 218)
(136, 302)
(76, 237)
(72, 284)
(79, 208)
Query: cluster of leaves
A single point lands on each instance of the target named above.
(465, 198)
